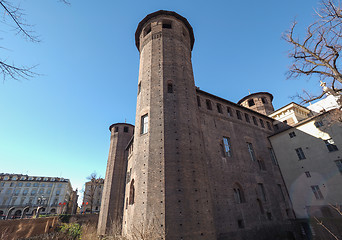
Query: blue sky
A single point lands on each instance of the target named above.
(56, 124)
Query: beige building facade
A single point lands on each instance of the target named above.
(308, 149)
(22, 195)
(92, 196)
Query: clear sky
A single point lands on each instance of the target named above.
(56, 124)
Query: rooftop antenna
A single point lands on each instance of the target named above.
(249, 91)
(125, 120)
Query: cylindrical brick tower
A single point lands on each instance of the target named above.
(168, 191)
(112, 202)
(260, 102)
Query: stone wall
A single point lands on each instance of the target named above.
(25, 228)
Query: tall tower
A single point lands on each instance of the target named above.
(260, 102)
(168, 189)
(112, 202)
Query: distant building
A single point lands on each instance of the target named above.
(92, 196)
(24, 195)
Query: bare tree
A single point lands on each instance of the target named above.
(14, 17)
(318, 54)
(92, 191)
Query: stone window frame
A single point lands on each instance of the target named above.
(317, 192)
(226, 147)
(144, 124)
(300, 153)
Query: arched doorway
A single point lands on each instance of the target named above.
(17, 214)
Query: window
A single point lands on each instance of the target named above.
(208, 102)
(251, 151)
(198, 101)
(292, 134)
(273, 156)
(247, 118)
(11, 184)
(139, 88)
(41, 191)
(169, 88)
(125, 129)
(227, 147)
(319, 124)
(300, 153)
(147, 30)
(167, 24)
(339, 165)
(255, 121)
(262, 123)
(251, 103)
(45, 179)
(241, 223)
(35, 184)
(269, 216)
(25, 192)
(59, 185)
(330, 145)
(20, 184)
(16, 192)
(116, 129)
(262, 190)
(50, 185)
(42, 185)
(308, 174)
(276, 126)
(14, 178)
(281, 191)
(219, 108)
(269, 126)
(238, 114)
(144, 124)
(264, 100)
(229, 112)
(239, 195)
(38, 179)
(131, 193)
(23, 178)
(261, 164)
(28, 184)
(6, 177)
(33, 192)
(48, 191)
(58, 192)
(317, 192)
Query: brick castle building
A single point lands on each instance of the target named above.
(194, 166)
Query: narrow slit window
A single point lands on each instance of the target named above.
(262, 123)
(167, 24)
(219, 108)
(170, 88)
(198, 101)
(255, 121)
(229, 112)
(147, 30)
(247, 118)
(238, 114)
(208, 102)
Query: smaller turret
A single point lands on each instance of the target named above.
(260, 102)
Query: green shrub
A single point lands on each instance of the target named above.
(73, 230)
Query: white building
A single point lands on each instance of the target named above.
(92, 196)
(23, 195)
(308, 147)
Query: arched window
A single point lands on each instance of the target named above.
(239, 195)
(169, 87)
(131, 193)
